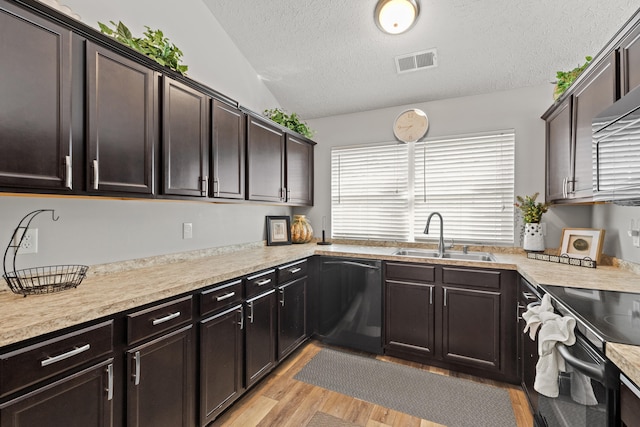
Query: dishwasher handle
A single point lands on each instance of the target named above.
(354, 263)
(592, 370)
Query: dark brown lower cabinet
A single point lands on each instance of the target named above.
(161, 382)
(471, 327)
(410, 317)
(292, 318)
(83, 399)
(221, 362)
(260, 336)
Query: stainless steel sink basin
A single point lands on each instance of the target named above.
(425, 253)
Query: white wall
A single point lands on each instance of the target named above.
(518, 109)
(95, 231)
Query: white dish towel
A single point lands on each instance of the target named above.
(552, 328)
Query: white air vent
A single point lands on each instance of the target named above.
(416, 61)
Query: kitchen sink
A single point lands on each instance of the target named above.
(468, 256)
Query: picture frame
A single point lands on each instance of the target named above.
(582, 243)
(278, 230)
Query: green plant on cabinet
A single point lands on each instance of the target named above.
(291, 121)
(566, 78)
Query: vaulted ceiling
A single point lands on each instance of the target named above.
(326, 57)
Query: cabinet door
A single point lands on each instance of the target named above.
(630, 61)
(265, 161)
(228, 156)
(409, 318)
(160, 385)
(185, 136)
(292, 316)
(120, 123)
(83, 399)
(299, 172)
(221, 359)
(593, 95)
(35, 101)
(558, 151)
(260, 336)
(471, 327)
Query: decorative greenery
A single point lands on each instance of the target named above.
(531, 211)
(290, 121)
(565, 78)
(154, 44)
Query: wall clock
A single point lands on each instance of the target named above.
(410, 125)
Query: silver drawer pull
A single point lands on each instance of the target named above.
(166, 318)
(225, 296)
(68, 172)
(96, 174)
(136, 374)
(110, 381)
(294, 270)
(77, 350)
(263, 282)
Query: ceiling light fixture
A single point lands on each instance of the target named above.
(396, 16)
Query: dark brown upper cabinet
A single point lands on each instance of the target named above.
(569, 133)
(228, 152)
(630, 61)
(185, 140)
(265, 161)
(35, 101)
(120, 123)
(299, 171)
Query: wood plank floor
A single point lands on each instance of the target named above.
(279, 400)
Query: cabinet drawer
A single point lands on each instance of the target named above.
(259, 282)
(470, 277)
(43, 360)
(221, 296)
(160, 318)
(289, 272)
(413, 272)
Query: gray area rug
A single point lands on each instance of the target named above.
(320, 419)
(451, 401)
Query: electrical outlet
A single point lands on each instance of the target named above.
(187, 230)
(29, 244)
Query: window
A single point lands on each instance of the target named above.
(386, 191)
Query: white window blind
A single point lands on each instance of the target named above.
(369, 192)
(469, 180)
(386, 191)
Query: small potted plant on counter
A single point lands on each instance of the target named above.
(532, 211)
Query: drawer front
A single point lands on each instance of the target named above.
(259, 282)
(147, 323)
(43, 360)
(221, 296)
(412, 272)
(470, 277)
(289, 272)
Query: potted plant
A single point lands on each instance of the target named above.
(532, 212)
(291, 121)
(566, 78)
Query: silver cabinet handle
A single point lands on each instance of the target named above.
(288, 196)
(68, 172)
(445, 297)
(166, 318)
(110, 381)
(430, 295)
(565, 181)
(241, 310)
(529, 296)
(77, 350)
(282, 294)
(225, 296)
(216, 187)
(250, 312)
(263, 282)
(294, 270)
(96, 174)
(136, 375)
(205, 186)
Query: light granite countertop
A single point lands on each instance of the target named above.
(124, 286)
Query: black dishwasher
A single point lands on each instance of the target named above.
(349, 303)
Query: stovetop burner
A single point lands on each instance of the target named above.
(614, 316)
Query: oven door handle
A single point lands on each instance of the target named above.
(597, 372)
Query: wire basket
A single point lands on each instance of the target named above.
(37, 280)
(44, 280)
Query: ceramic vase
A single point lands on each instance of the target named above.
(301, 230)
(533, 239)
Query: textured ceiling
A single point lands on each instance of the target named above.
(325, 57)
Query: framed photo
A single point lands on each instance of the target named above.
(278, 230)
(582, 243)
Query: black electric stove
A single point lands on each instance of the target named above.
(602, 316)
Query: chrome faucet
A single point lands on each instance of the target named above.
(441, 241)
